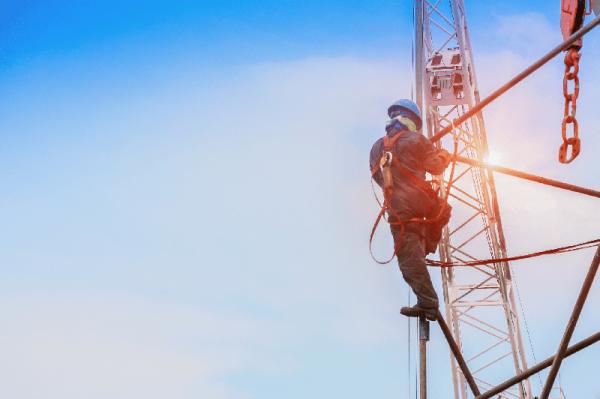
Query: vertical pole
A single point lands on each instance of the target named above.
(423, 338)
(564, 343)
(419, 56)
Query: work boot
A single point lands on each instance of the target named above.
(418, 311)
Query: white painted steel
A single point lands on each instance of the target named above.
(480, 305)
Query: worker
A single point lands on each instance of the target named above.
(415, 212)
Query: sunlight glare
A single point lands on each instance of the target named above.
(493, 158)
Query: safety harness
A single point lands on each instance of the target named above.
(387, 162)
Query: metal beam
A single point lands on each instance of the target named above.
(458, 355)
(423, 338)
(538, 367)
(473, 189)
(562, 348)
(528, 176)
(534, 67)
(419, 54)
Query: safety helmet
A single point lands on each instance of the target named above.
(406, 108)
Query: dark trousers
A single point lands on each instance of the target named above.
(433, 231)
(411, 259)
(413, 243)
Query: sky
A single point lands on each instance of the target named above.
(186, 201)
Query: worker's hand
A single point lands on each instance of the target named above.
(445, 157)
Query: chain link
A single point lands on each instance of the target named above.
(571, 74)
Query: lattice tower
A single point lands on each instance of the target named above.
(480, 302)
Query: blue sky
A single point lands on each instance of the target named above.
(186, 203)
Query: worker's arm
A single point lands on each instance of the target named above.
(374, 161)
(435, 161)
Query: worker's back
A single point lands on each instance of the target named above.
(416, 155)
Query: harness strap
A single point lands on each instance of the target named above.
(425, 187)
(388, 145)
(422, 185)
(373, 230)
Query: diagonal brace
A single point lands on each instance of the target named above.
(457, 355)
(562, 349)
(538, 367)
(534, 67)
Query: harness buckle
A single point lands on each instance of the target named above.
(386, 159)
(385, 163)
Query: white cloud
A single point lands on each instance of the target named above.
(301, 199)
(322, 155)
(252, 198)
(528, 32)
(524, 127)
(97, 347)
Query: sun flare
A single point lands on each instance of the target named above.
(493, 158)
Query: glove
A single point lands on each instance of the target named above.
(445, 157)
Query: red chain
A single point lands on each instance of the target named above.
(571, 74)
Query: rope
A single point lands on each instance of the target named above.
(402, 223)
(559, 250)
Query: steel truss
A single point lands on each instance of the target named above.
(479, 302)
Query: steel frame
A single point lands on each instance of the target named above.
(564, 343)
(440, 79)
(563, 349)
(479, 302)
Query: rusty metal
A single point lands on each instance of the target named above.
(571, 19)
(448, 92)
(538, 367)
(530, 177)
(458, 355)
(571, 74)
(564, 343)
(571, 16)
(503, 89)
(423, 338)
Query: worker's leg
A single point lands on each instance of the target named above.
(433, 233)
(411, 259)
